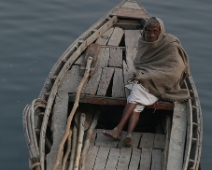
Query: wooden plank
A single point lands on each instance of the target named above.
(131, 38)
(177, 138)
(118, 86)
(105, 81)
(145, 162)
(159, 141)
(124, 159)
(115, 59)
(92, 85)
(135, 159)
(126, 76)
(79, 60)
(74, 78)
(102, 140)
(116, 37)
(104, 57)
(113, 159)
(147, 140)
(157, 159)
(59, 117)
(101, 159)
(130, 13)
(136, 139)
(102, 40)
(131, 5)
(92, 154)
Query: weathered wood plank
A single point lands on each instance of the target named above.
(118, 86)
(59, 117)
(145, 162)
(92, 154)
(113, 159)
(79, 60)
(159, 141)
(101, 159)
(130, 13)
(93, 82)
(131, 5)
(115, 59)
(124, 159)
(135, 159)
(147, 140)
(157, 159)
(102, 140)
(131, 38)
(105, 81)
(136, 139)
(126, 76)
(74, 78)
(177, 138)
(116, 37)
(105, 37)
(104, 57)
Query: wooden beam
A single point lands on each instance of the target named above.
(177, 138)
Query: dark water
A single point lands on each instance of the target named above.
(34, 34)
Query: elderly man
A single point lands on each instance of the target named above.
(162, 65)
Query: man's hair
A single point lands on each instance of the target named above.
(152, 22)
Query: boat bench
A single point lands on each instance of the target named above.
(102, 100)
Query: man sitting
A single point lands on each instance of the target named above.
(162, 65)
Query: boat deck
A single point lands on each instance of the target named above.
(108, 154)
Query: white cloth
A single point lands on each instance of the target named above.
(141, 96)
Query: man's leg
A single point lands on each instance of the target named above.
(131, 126)
(128, 110)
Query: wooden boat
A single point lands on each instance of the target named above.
(168, 135)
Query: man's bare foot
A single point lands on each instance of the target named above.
(115, 134)
(128, 140)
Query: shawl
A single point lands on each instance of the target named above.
(162, 66)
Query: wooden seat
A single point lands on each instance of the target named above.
(102, 100)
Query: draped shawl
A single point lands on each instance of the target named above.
(162, 66)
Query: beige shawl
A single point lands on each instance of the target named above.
(163, 65)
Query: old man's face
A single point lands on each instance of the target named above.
(152, 33)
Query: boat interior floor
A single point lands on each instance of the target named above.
(106, 153)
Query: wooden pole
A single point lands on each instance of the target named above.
(76, 104)
(79, 142)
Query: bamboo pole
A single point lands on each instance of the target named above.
(68, 150)
(80, 141)
(76, 104)
(73, 150)
(88, 138)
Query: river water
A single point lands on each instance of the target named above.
(34, 34)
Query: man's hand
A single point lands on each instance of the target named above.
(132, 77)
